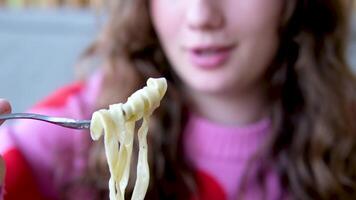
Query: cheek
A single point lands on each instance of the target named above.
(165, 17)
(257, 25)
(253, 15)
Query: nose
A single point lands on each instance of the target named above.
(205, 14)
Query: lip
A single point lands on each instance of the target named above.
(209, 56)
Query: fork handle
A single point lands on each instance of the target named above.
(65, 122)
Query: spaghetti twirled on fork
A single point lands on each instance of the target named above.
(118, 126)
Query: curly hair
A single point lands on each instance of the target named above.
(314, 141)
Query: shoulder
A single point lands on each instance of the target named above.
(32, 137)
(33, 150)
(78, 98)
(75, 100)
(60, 96)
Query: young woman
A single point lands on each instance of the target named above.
(260, 104)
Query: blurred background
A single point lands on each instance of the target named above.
(41, 41)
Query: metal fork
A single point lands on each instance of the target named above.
(65, 122)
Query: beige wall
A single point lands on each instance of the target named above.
(54, 3)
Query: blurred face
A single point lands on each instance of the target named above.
(218, 46)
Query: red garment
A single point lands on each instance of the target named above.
(20, 182)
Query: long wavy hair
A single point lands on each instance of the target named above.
(313, 145)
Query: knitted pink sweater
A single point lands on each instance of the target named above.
(223, 152)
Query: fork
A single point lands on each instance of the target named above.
(65, 122)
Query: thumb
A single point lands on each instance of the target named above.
(5, 107)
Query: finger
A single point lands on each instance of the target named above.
(5, 107)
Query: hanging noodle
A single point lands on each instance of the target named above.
(117, 124)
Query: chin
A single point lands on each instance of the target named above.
(209, 87)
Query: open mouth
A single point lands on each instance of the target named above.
(210, 57)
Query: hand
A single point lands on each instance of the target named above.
(4, 108)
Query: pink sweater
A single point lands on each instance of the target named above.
(57, 155)
(223, 152)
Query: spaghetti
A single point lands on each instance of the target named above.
(117, 124)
